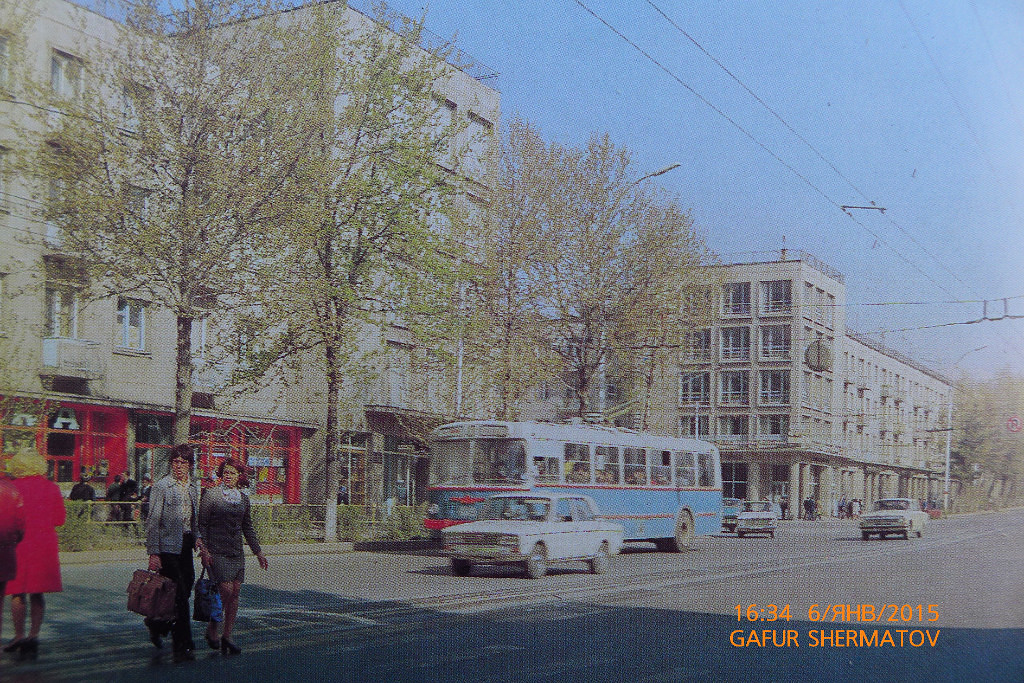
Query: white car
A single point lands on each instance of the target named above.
(757, 517)
(894, 517)
(533, 529)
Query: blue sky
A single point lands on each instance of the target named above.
(916, 105)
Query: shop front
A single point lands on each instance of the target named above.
(84, 441)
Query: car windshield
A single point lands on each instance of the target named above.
(515, 507)
(892, 505)
(756, 506)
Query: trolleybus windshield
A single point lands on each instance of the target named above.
(478, 461)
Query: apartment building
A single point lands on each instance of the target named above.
(93, 380)
(799, 405)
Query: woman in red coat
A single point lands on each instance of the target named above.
(38, 559)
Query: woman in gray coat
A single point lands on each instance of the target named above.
(224, 519)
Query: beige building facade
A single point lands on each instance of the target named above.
(92, 381)
(802, 407)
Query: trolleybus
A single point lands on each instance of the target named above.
(661, 489)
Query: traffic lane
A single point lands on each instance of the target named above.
(558, 640)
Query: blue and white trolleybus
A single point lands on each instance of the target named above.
(661, 489)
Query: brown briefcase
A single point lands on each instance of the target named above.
(151, 595)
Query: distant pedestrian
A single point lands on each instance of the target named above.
(82, 491)
(12, 530)
(114, 494)
(784, 506)
(37, 554)
(224, 520)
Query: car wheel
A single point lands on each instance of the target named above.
(739, 534)
(865, 536)
(537, 563)
(684, 533)
(461, 567)
(602, 562)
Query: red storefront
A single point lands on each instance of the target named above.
(82, 440)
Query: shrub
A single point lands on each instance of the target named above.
(78, 533)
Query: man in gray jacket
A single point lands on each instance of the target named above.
(172, 533)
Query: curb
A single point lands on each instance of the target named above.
(139, 556)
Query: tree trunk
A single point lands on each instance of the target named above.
(333, 438)
(183, 383)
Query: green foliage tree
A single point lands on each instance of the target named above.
(619, 257)
(370, 244)
(984, 448)
(172, 160)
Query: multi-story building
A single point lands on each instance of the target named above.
(93, 380)
(799, 405)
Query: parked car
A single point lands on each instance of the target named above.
(730, 508)
(533, 529)
(757, 517)
(894, 517)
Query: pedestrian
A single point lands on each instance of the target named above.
(225, 518)
(784, 506)
(129, 493)
(12, 530)
(808, 507)
(37, 554)
(172, 531)
(147, 487)
(114, 494)
(82, 491)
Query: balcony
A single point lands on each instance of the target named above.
(79, 358)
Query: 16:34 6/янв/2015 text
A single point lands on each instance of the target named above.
(891, 613)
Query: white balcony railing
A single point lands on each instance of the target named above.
(72, 358)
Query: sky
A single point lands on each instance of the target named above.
(780, 113)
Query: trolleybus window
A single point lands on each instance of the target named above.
(686, 469)
(606, 464)
(636, 465)
(706, 469)
(498, 460)
(661, 475)
(547, 459)
(577, 463)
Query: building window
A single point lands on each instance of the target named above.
(775, 341)
(131, 324)
(777, 296)
(5, 61)
(773, 427)
(62, 312)
(698, 345)
(733, 428)
(694, 426)
(694, 387)
(66, 74)
(736, 298)
(734, 480)
(735, 387)
(774, 387)
(735, 343)
(4, 197)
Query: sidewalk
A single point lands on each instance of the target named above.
(138, 555)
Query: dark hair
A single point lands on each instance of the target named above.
(185, 452)
(243, 474)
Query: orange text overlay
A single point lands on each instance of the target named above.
(865, 612)
(791, 637)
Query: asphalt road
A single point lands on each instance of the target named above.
(401, 616)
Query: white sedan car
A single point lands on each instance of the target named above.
(894, 517)
(533, 529)
(757, 517)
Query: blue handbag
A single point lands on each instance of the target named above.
(207, 605)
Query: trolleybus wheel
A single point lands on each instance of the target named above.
(461, 567)
(537, 562)
(684, 533)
